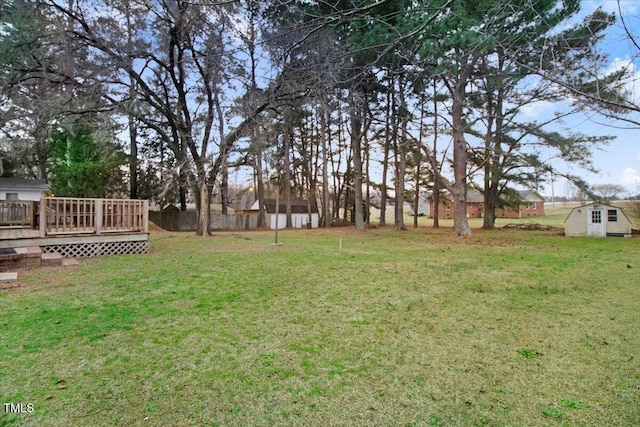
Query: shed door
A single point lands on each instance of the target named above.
(596, 223)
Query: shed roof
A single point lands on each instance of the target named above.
(598, 205)
(298, 206)
(23, 184)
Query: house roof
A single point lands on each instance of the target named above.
(531, 196)
(475, 196)
(298, 206)
(23, 184)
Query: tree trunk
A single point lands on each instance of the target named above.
(433, 158)
(133, 129)
(385, 163)
(459, 189)
(401, 158)
(204, 213)
(257, 164)
(224, 187)
(326, 137)
(183, 197)
(493, 151)
(356, 137)
(287, 170)
(401, 168)
(367, 201)
(436, 203)
(133, 158)
(490, 204)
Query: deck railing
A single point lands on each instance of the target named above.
(65, 215)
(17, 213)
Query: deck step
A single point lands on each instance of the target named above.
(8, 280)
(51, 260)
(26, 257)
(8, 277)
(29, 252)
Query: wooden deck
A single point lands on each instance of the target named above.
(83, 227)
(17, 233)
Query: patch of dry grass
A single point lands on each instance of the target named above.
(411, 328)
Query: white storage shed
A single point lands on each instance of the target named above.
(597, 220)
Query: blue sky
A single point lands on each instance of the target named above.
(619, 162)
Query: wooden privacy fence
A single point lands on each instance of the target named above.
(174, 220)
(17, 213)
(65, 215)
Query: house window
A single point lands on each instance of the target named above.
(528, 206)
(447, 206)
(612, 215)
(12, 196)
(596, 217)
(535, 205)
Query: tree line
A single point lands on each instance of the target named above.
(353, 103)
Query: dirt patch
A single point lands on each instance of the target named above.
(153, 228)
(532, 227)
(47, 276)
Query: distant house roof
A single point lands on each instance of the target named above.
(475, 196)
(298, 206)
(23, 184)
(531, 196)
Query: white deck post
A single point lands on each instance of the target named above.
(98, 213)
(145, 215)
(43, 217)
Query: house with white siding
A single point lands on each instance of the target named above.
(304, 214)
(22, 189)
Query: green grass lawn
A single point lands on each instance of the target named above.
(398, 328)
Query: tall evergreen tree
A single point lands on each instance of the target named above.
(85, 162)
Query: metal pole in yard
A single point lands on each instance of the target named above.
(275, 243)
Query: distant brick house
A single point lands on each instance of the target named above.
(532, 204)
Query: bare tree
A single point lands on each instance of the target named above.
(606, 193)
(182, 68)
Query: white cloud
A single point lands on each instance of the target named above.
(631, 82)
(611, 6)
(538, 110)
(630, 177)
